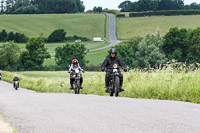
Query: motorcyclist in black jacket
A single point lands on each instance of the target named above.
(108, 65)
(15, 79)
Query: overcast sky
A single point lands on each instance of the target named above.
(113, 4)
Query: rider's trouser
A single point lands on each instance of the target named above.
(108, 76)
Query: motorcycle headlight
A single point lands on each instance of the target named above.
(115, 66)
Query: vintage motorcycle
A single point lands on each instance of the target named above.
(114, 81)
(16, 85)
(77, 81)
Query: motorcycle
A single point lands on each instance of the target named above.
(114, 81)
(16, 85)
(77, 83)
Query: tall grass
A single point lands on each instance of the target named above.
(165, 84)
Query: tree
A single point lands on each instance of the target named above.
(155, 5)
(33, 58)
(10, 36)
(125, 53)
(97, 9)
(64, 55)
(175, 45)
(134, 44)
(9, 56)
(3, 35)
(9, 6)
(2, 6)
(57, 35)
(193, 50)
(20, 38)
(124, 6)
(149, 54)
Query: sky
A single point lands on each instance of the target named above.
(113, 4)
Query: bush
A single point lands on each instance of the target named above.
(121, 15)
(116, 12)
(165, 13)
(57, 35)
(75, 37)
(11, 36)
(20, 38)
(9, 56)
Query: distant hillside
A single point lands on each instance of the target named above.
(85, 25)
(141, 26)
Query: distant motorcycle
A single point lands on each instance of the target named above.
(77, 83)
(114, 81)
(16, 85)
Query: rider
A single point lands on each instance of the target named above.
(108, 65)
(15, 79)
(74, 66)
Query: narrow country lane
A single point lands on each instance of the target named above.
(112, 33)
(31, 112)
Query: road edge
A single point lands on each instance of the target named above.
(9, 128)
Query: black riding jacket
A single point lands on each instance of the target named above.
(15, 79)
(109, 62)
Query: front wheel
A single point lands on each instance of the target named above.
(116, 88)
(77, 89)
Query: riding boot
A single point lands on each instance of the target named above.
(71, 85)
(107, 89)
(120, 89)
(81, 87)
(107, 86)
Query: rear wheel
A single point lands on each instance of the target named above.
(116, 88)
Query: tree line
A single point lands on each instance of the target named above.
(12, 59)
(154, 5)
(151, 51)
(41, 6)
(182, 45)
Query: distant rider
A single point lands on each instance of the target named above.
(108, 66)
(75, 66)
(15, 79)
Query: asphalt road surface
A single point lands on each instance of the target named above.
(112, 33)
(31, 112)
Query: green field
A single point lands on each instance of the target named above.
(85, 25)
(94, 58)
(51, 46)
(167, 84)
(141, 26)
(97, 58)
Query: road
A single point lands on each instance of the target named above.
(31, 112)
(112, 33)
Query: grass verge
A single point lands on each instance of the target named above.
(10, 127)
(158, 84)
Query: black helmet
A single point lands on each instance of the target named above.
(113, 50)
